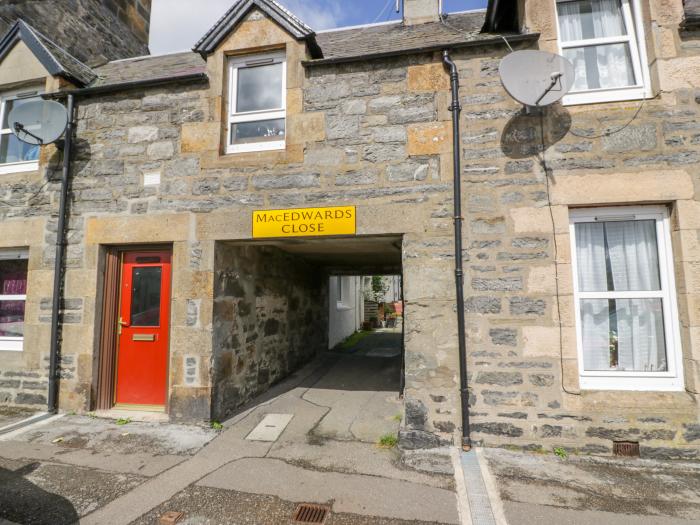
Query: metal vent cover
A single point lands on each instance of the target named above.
(310, 513)
(628, 449)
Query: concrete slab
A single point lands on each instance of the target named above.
(548, 489)
(136, 463)
(351, 457)
(105, 436)
(362, 395)
(357, 494)
(270, 428)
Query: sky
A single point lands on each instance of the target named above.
(176, 25)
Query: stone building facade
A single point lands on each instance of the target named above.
(368, 125)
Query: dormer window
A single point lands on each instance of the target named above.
(257, 103)
(15, 155)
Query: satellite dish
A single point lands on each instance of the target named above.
(38, 122)
(536, 78)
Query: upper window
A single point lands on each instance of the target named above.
(13, 295)
(15, 155)
(604, 41)
(625, 301)
(257, 103)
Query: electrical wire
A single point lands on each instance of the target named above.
(545, 168)
(607, 133)
(29, 199)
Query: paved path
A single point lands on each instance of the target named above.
(341, 405)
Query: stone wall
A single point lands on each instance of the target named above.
(93, 31)
(378, 135)
(270, 317)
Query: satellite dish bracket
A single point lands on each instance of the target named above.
(19, 128)
(535, 78)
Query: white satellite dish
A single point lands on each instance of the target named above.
(38, 122)
(536, 78)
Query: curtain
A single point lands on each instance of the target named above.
(602, 66)
(586, 19)
(620, 334)
(634, 266)
(592, 277)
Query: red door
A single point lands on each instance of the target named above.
(144, 314)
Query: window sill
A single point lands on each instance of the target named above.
(610, 95)
(18, 167)
(11, 344)
(632, 383)
(257, 148)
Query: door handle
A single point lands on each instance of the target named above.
(120, 324)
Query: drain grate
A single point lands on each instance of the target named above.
(310, 513)
(628, 449)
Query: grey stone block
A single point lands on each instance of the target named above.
(500, 284)
(483, 305)
(527, 306)
(282, 182)
(497, 429)
(416, 413)
(504, 336)
(631, 138)
(499, 378)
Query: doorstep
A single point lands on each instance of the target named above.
(135, 414)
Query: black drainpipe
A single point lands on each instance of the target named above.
(58, 265)
(456, 109)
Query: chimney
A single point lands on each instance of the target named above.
(421, 11)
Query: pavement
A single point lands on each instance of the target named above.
(314, 438)
(534, 489)
(11, 415)
(92, 471)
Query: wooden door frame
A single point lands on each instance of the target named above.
(105, 376)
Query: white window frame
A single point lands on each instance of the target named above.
(236, 63)
(632, 16)
(15, 167)
(672, 379)
(13, 344)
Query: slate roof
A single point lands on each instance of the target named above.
(285, 18)
(396, 38)
(55, 59)
(176, 65)
(692, 14)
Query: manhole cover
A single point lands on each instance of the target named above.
(384, 352)
(310, 513)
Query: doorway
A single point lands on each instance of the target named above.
(135, 330)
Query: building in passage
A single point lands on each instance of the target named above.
(214, 192)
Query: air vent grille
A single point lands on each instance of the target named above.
(628, 449)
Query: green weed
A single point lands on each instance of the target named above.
(388, 441)
(216, 425)
(123, 421)
(561, 453)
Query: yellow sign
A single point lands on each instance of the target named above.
(304, 222)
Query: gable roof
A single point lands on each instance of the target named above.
(56, 60)
(285, 18)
